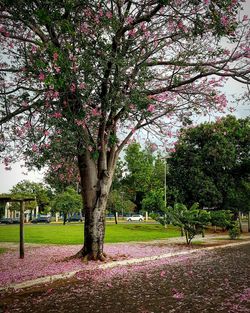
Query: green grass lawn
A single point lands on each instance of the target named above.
(73, 233)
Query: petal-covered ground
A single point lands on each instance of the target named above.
(46, 260)
(207, 281)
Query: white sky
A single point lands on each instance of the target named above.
(10, 178)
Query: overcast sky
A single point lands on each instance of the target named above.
(11, 178)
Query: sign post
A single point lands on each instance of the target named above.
(21, 247)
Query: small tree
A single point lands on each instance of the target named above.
(67, 202)
(117, 203)
(192, 220)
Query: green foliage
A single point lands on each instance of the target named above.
(222, 218)
(117, 202)
(154, 200)
(38, 191)
(67, 202)
(192, 221)
(234, 230)
(144, 175)
(211, 164)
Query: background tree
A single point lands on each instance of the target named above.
(67, 202)
(119, 203)
(37, 190)
(143, 174)
(154, 201)
(73, 73)
(211, 165)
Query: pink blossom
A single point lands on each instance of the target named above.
(73, 87)
(130, 20)
(25, 104)
(132, 32)
(33, 49)
(57, 69)
(95, 112)
(151, 108)
(56, 115)
(100, 12)
(41, 76)
(55, 56)
(172, 150)
(245, 18)
(224, 20)
(27, 125)
(55, 94)
(177, 295)
(84, 28)
(163, 273)
(82, 86)
(109, 15)
(34, 148)
(80, 123)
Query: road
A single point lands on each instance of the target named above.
(211, 281)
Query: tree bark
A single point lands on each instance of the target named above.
(95, 189)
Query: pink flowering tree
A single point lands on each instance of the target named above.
(79, 78)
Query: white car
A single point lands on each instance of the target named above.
(135, 217)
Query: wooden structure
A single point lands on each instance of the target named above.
(10, 198)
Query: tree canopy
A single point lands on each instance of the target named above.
(211, 164)
(144, 171)
(80, 77)
(67, 202)
(38, 191)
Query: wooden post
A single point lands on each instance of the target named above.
(21, 249)
(240, 222)
(249, 221)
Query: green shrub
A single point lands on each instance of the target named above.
(234, 230)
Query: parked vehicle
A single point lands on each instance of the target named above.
(41, 219)
(16, 220)
(6, 220)
(135, 217)
(74, 219)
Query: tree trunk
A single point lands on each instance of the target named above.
(95, 189)
(64, 218)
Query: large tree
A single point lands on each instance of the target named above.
(211, 164)
(79, 77)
